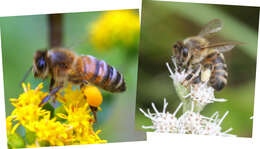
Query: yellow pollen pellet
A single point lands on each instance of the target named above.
(93, 95)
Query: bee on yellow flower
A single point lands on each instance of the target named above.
(46, 130)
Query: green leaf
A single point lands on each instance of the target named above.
(15, 141)
(44, 143)
(62, 110)
(49, 107)
(30, 136)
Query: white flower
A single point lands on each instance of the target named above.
(203, 94)
(164, 121)
(188, 123)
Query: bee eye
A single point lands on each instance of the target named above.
(41, 64)
(185, 51)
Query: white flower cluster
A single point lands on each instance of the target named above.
(188, 123)
(203, 94)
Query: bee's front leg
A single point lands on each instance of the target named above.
(51, 84)
(193, 75)
(52, 91)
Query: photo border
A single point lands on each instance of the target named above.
(7, 9)
(154, 140)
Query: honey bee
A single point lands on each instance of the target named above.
(204, 57)
(65, 66)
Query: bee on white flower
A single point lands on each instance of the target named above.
(199, 94)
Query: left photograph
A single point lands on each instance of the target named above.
(70, 79)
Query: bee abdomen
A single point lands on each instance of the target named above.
(219, 75)
(103, 75)
(218, 83)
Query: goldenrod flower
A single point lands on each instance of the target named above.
(33, 146)
(53, 131)
(77, 129)
(72, 97)
(27, 108)
(78, 114)
(114, 28)
(9, 124)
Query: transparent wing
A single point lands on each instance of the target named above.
(224, 46)
(212, 27)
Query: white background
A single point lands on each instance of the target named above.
(28, 7)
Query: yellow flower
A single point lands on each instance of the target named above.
(78, 114)
(115, 27)
(33, 146)
(77, 129)
(30, 96)
(9, 124)
(53, 131)
(27, 108)
(71, 97)
(28, 114)
(82, 123)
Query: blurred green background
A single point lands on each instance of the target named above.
(23, 35)
(164, 23)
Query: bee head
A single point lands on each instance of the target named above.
(181, 53)
(40, 65)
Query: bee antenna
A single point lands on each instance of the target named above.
(26, 75)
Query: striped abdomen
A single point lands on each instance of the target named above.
(218, 79)
(101, 74)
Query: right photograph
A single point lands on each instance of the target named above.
(197, 68)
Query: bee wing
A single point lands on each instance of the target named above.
(212, 27)
(224, 46)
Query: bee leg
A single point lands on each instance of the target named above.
(52, 83)
(51, 93)
(197, 79)
(93, 109)
(83, 84)
(193, 75)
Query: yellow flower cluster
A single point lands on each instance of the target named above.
(77, 124)
(115, 27)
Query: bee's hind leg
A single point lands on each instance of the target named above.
(93, 109)
(83, 84)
